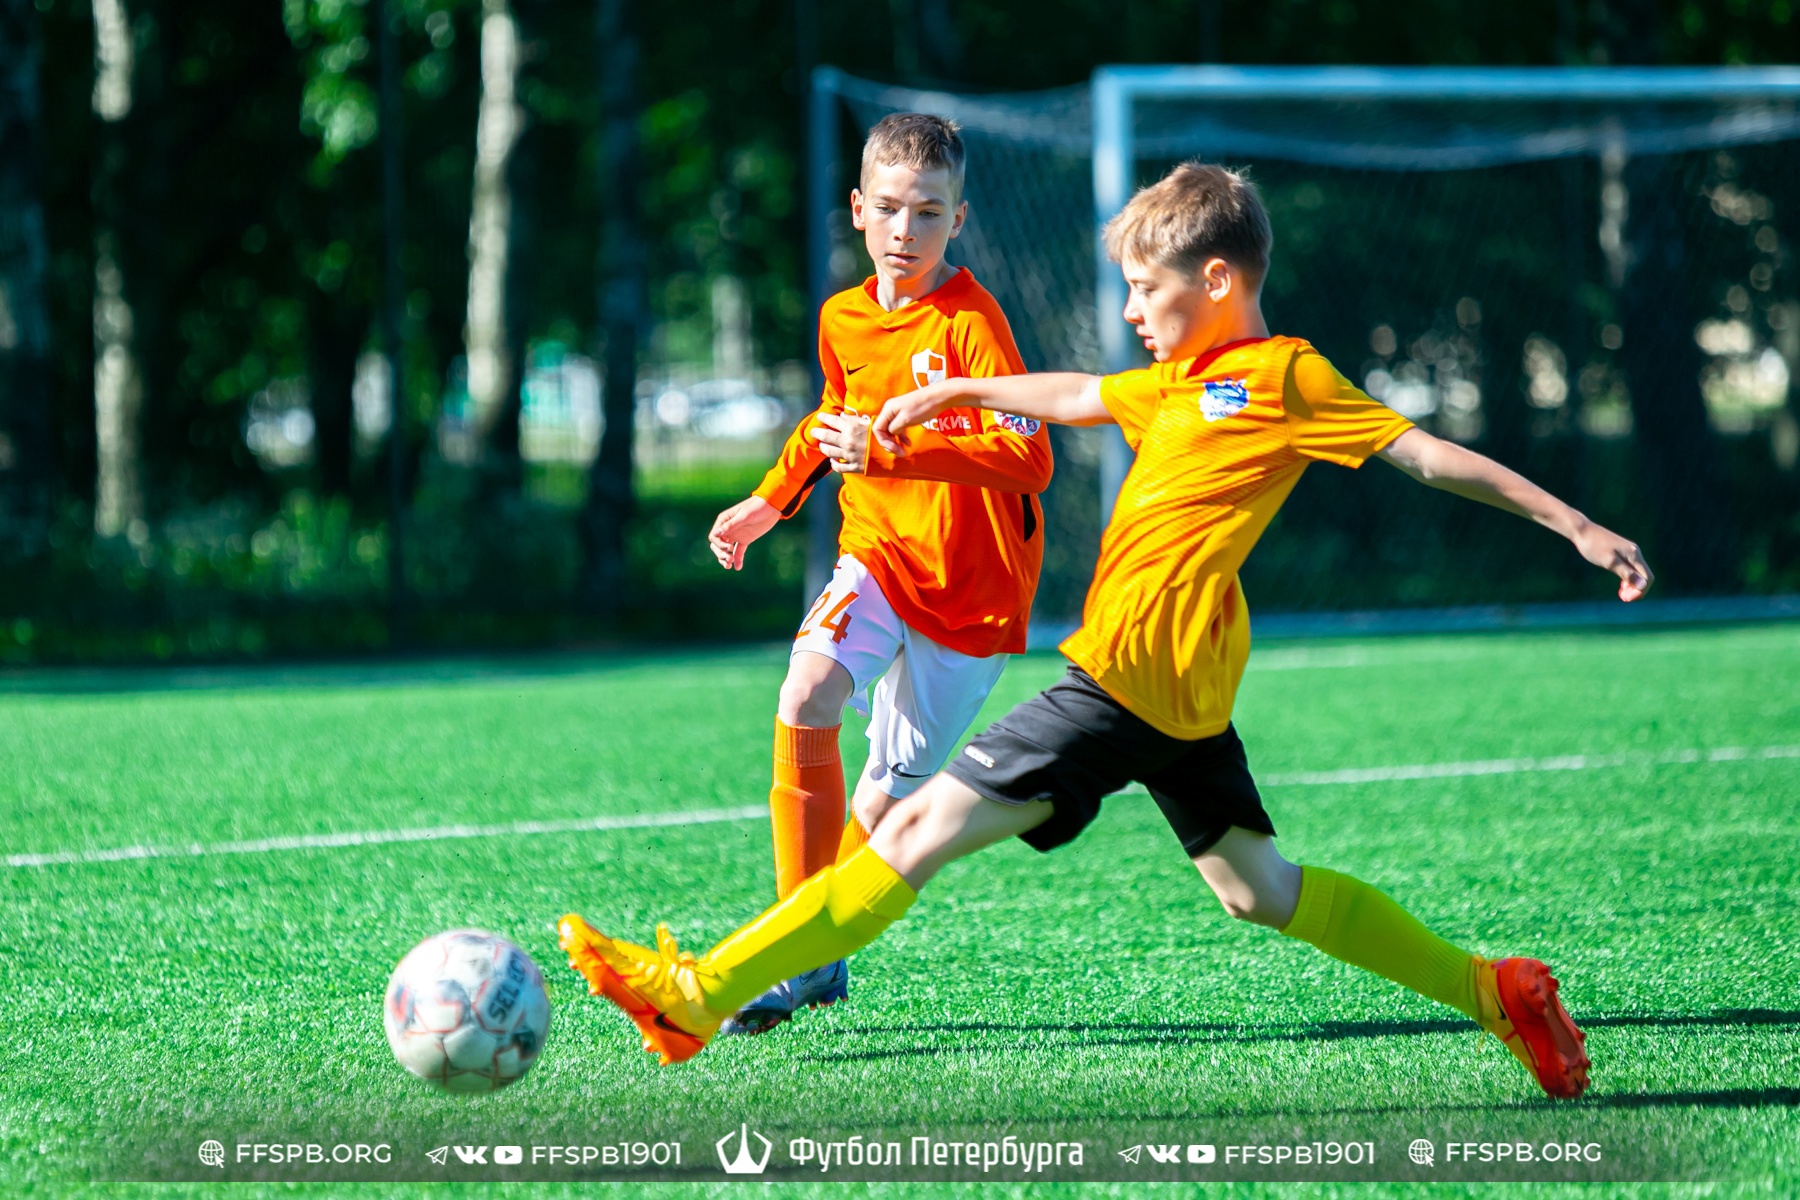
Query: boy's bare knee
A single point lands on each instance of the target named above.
(1250, 878)
(1243, 904)
(813, 694)
(800, 705)
(1240, 899)
(1238, 904)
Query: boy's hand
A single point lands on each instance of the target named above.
(737, 527)
(903, 412)
(1610, 552)
(844, 437)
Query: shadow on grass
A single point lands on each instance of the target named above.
(1127, 1033)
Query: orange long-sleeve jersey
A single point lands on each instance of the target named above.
(952, 531)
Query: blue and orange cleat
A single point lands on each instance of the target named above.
(1527, 1016)
(820, 987)
(658, 989)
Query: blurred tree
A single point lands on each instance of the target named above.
(507, 466)
(218, 245)
(118, 256)
(212, 160)
(336, 219)
(492, 336)
(610, 501)
(393, 292)
(28, 452)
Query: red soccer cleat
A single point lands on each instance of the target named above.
(1534, 1025)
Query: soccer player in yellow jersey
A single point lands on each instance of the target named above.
(1223, 425)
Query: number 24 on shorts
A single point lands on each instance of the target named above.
(837, 620)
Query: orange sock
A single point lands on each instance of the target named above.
(854, 838)
(806, 805)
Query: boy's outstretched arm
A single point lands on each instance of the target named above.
(1451, 468)
(1059, 397)
(780, 494)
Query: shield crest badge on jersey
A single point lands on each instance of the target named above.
(927, 368)
(1221, 398)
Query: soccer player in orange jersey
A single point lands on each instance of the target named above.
(940, 547)
(1223, 424)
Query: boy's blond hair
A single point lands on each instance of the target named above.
(1195, 212)
(917, 140)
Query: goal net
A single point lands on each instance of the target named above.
(1588, 275)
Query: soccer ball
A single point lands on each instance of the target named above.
(466, 1011)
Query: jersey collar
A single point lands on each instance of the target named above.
(946, 291)
(1200, 362)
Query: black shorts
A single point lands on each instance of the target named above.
(1072, 744)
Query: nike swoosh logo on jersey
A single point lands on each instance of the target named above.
(853, 370)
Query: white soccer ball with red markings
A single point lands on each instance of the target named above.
(466, 1011)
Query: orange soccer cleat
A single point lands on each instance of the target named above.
(658, 989)
(1526, 1015)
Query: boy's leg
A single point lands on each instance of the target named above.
(678, 1001)
(868, 804)
(806, 797)
(1212, 804)
(847, 640)
(1513, 998)
(806, 818)
(1040, 773)
(849, 637)
(847, 906)
(1341, 915)
(919, 711)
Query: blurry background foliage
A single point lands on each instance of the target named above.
(196, 416)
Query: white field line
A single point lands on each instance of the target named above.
(1518, 766)
(378, 837)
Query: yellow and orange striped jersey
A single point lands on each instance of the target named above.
(952, 531)
(1221, 440)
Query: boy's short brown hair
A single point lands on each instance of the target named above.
(1195, 212)
(917, 140)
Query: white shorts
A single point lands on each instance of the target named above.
(925, 694)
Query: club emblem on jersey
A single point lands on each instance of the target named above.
(1221, 398)
(1023, 426)
(928, 368)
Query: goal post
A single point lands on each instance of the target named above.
(1589, 273)
(1119, 92)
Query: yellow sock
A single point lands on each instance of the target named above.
(854, 838)
(1361, 925)
(837, 911)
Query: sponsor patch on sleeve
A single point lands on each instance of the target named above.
(1023, 426)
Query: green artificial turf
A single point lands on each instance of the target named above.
(152, 1002)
